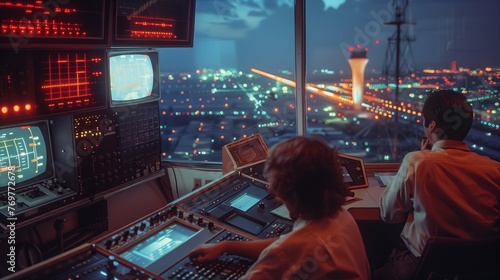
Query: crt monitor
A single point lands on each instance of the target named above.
(156, 246)
(25, 154)
(134, 76)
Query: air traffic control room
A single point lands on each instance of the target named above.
(249, 139)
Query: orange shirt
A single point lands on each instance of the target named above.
(448, 191)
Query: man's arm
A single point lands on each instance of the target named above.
(395, 201)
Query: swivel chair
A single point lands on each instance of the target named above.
(460, 259)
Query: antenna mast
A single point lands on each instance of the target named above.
(398, 57)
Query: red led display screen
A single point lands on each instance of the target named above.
(43, 82)
(70, 80)
(28, 23)
(154, 22)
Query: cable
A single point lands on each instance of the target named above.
(40, 243)
(175, 177)
(58, 226)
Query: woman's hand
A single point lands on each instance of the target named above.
(207, 252)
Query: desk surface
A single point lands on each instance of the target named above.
(366, 202)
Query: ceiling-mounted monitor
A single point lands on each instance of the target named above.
(162, 23)
(53, 23)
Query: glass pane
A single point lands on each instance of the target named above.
(443, 44)
(243, 59)
(215, 92)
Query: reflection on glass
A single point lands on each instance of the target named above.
(238, 79)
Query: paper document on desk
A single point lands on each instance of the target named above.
(383, 178)
(282, 212)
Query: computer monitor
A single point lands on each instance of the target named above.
(149, 23)
(134, 76)
(25, 155)
(35, 83)
(44, 24)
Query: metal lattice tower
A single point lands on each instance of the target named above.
(398, 57)
(398, 64)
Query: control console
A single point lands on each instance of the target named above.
(241, 203)
(226, 267)
(114, 148)
(84, 262)
(161, 244)
(34, 199)
(353, 171)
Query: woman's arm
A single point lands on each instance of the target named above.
(248, 249)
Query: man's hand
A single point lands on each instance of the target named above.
(425, 144)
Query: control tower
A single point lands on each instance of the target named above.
(358, 63)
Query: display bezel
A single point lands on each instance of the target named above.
(48, 14)
(49, 172)
(32, 83)
(153, 54)
(186, 34)
(130, 245)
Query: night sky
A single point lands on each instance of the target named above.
(259, 33)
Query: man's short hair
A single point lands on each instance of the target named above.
(305, 172)
(452, 113)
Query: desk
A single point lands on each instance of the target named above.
(366, 202)
(378, 237)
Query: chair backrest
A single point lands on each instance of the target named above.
(460, 259)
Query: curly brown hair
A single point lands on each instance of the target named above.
(306, 174)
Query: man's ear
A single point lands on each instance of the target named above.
(432, 126)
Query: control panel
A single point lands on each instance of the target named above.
(241, 203)
(226, 267)
(114, 147)
(34, 200)
(139, 138)
(353, 171)
(161, 244)
(99, 166)
(84, 262)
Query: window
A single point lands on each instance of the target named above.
(238, 79)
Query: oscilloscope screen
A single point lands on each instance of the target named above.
(25, 154)
(45, 82)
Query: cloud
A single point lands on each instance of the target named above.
(334, 4)
(232, 19)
